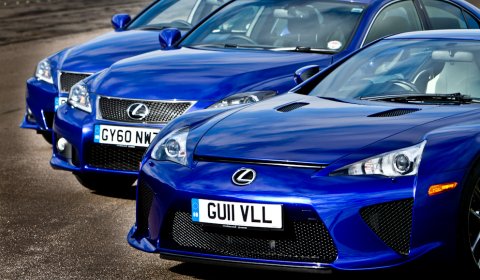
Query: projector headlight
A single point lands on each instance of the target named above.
(403, 162)
(79, 97)
(172, 147)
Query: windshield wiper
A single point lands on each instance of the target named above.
(235, 46)
(335, 99)
(452, 98)
(153, 27)
(304, 50)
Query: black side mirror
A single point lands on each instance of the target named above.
(305, 73)
(169, 37)
(120, 21)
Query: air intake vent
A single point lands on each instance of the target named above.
(291, 107)
(301, 241)
(144, 203)
(393, 113)
(392, 222)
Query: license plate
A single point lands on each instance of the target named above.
(236, 214)
(125, 136)
(59, 101)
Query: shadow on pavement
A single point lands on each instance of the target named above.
(123, 193)
(209, 271)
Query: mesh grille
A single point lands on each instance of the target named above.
(144, 203)
(114, 157)
(160, 112)
(393, 113)
(392, 222)
(67, 80)
(291, 107)
(306, 241)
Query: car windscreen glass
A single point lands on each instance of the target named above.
(304, 25)
(181, 14)
(422, 70)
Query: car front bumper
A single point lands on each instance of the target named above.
(360, 222)
(40, 105)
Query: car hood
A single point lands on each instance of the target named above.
(319, 132)
(103, 51)
(200, 74)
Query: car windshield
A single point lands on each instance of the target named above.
(301, 25)
(406, 70)
(181, 14)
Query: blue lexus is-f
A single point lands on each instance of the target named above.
(246, 51)
(372, 163)
(55, 75)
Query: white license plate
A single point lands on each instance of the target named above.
(236, 214)
(59, 101)
(125, 136)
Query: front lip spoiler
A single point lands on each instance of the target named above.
(251, 265)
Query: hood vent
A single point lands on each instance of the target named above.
(394, 113)
(291, 107)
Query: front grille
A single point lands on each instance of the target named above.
(392, 222)
(49, 116)
(291, 107)
(114, 157)
(394, 113)
(144, 203)
(159, 111)
(302, 241)
(67, 80)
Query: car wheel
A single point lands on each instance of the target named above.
(98, 182)
(470, 224)
(47, 135)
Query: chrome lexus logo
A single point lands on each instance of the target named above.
(244, 176)
(138, 111)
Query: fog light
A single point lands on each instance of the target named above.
(441, 188)
(61, 144)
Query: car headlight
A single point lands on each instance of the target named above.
(172, 147)
(44, 71)
(244, 98)
(79, 97)
(403, 162)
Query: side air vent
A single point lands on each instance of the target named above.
(392, 222)
(394, 113)
(291, 107)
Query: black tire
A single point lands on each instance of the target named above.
(47, 135)
(469, 228)
(99, 182)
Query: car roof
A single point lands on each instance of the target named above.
(459, 34)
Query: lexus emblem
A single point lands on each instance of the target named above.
(244, 176)
(138, 111)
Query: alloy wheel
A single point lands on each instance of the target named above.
(474, 224)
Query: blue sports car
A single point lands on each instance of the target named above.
(247, 51)
(55, 75)
(379, 165)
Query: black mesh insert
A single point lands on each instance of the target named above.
(67, 80)
(302, 241)
(392, 222)
(114, 157)
(49, 119)
(394, 113)
(291, 107)
(144, 203)
(160, 111)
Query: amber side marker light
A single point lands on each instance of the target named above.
(441, 188)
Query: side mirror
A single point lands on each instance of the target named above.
(120, 21)
(305, 73)
(168, 37)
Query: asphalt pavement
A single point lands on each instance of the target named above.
(50, 226)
